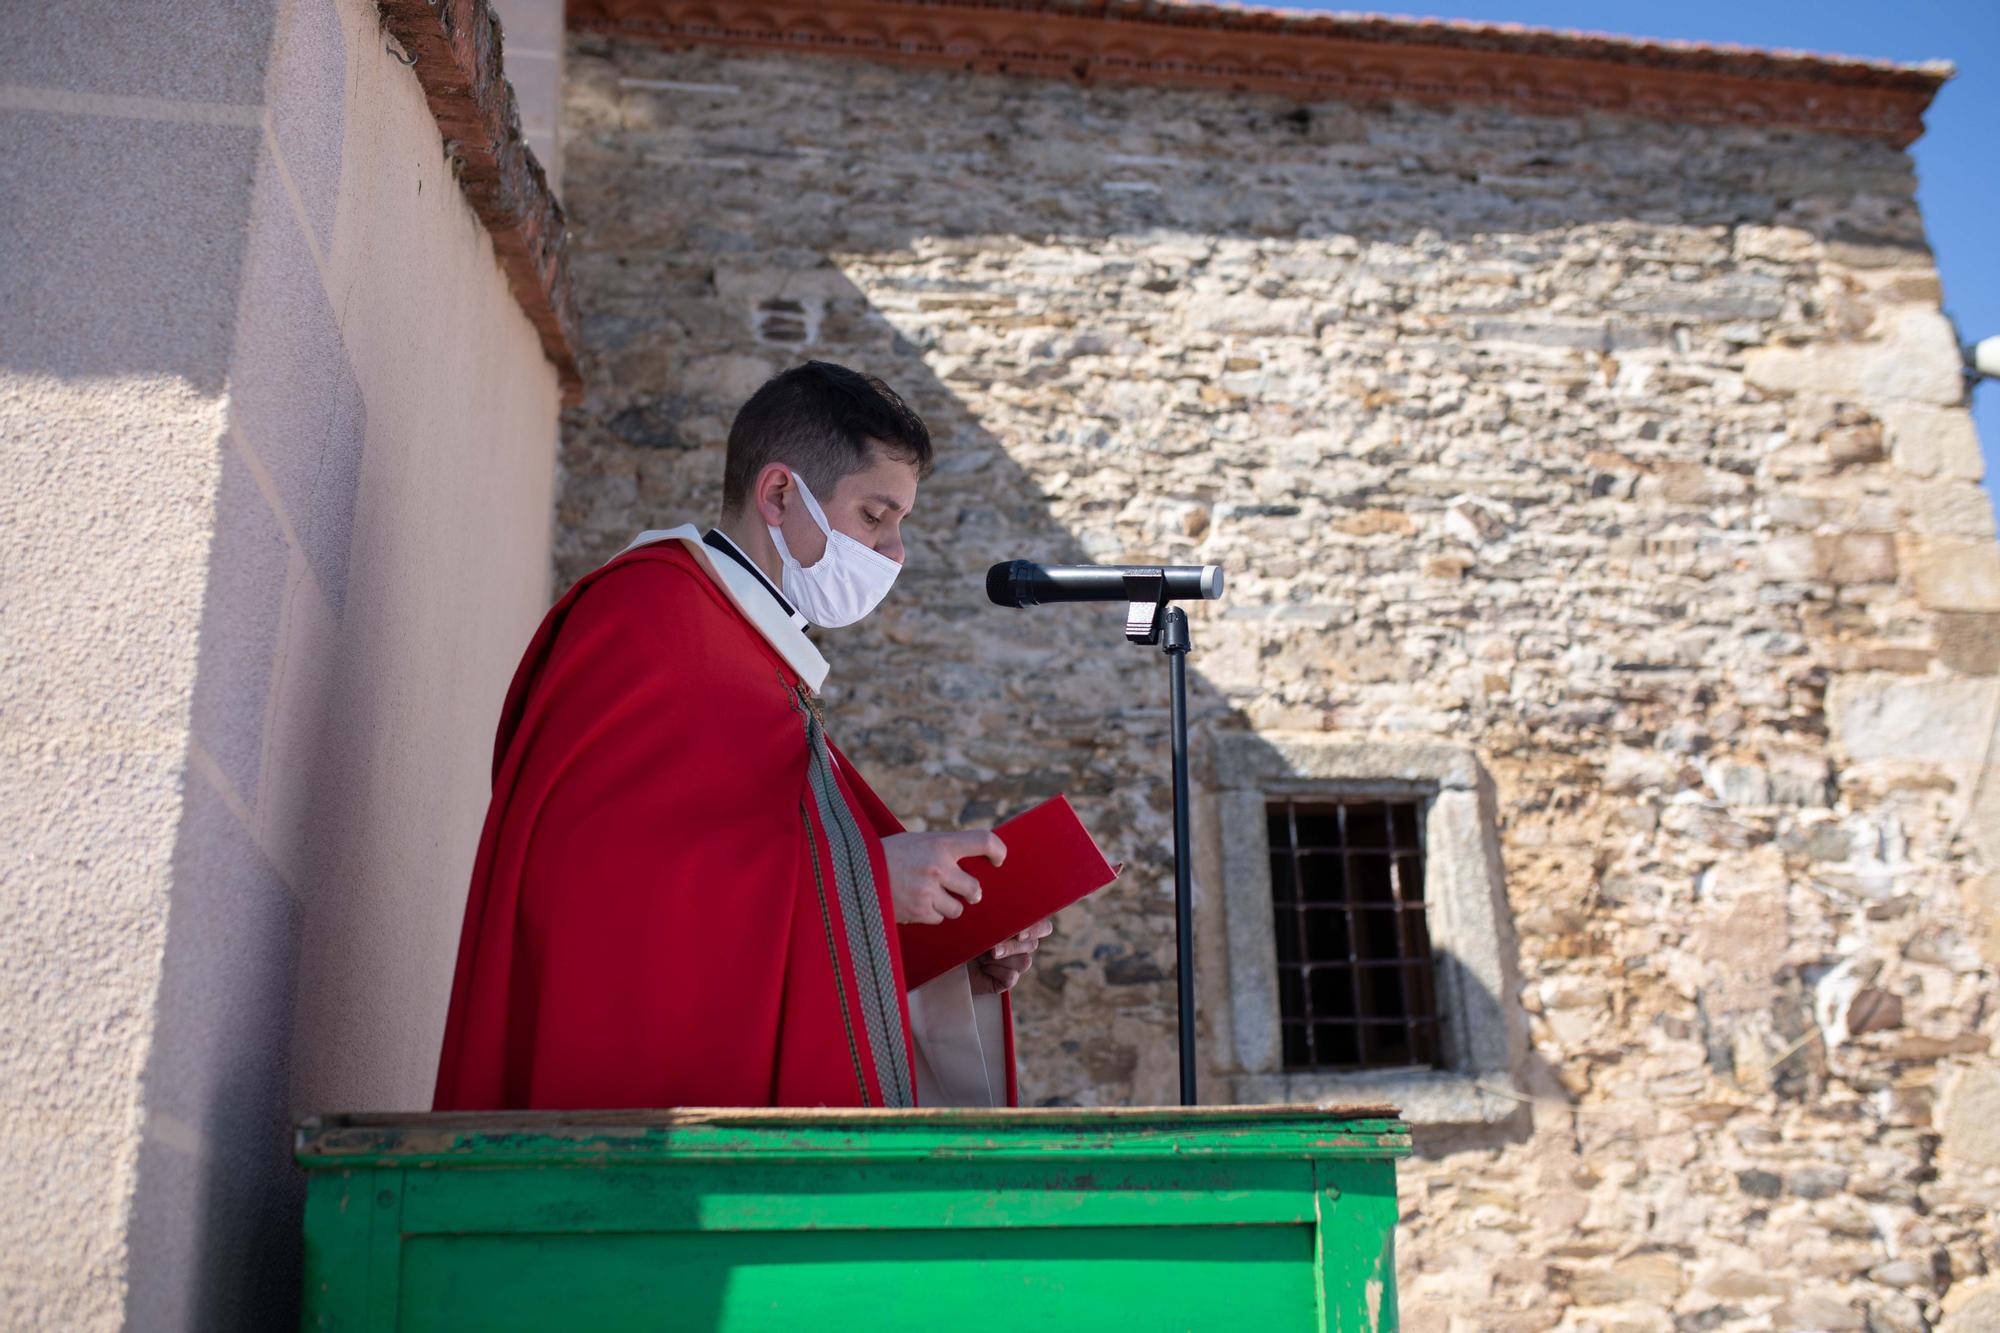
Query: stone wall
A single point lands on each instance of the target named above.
(1629, 455)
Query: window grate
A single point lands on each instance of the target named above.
(1357, 982)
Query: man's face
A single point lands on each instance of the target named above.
(869, 506)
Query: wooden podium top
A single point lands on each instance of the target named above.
(847, 1133)
(756, 1221)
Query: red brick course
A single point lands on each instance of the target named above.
(456, 48)
(1310, 56)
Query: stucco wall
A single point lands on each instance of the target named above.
(278, 452)
(124, 181)
(1628, 456)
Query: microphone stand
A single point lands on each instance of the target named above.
(1151, 619)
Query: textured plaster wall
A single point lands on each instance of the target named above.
(278, 453)
(125, 176)
(1628, 456)
(109, 499)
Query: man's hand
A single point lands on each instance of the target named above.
(1002, 966)
(924, 872)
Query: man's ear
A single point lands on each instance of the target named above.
(771, 494)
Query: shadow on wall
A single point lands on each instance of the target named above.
(962, 713)
(214, 1235)
(1144, 326)
(968, 713)
(215, 1221)
(128, 168)
(155, 258)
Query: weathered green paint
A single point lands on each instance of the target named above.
(1267, 1218)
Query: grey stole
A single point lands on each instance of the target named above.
(861, 910)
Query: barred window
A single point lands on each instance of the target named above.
(1357, 982)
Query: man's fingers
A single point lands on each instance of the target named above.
(947, 907)
(982, 842)
(991, 980)
(1027, 941)
(1004, 973)
(960, 882)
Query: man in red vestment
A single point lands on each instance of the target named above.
(684, 894)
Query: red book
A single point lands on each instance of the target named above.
(1052, 861)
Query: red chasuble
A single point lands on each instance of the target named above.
(679, 897)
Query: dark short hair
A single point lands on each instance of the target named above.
(821, 420)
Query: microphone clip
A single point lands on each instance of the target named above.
(1145, 613)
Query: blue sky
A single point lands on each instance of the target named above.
(1958, 159)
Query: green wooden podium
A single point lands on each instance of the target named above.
(1125, 1220)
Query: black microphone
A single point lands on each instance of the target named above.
(1025, 583)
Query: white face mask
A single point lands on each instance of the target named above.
(845, 584)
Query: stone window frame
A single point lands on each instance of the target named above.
(1484, 1037)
